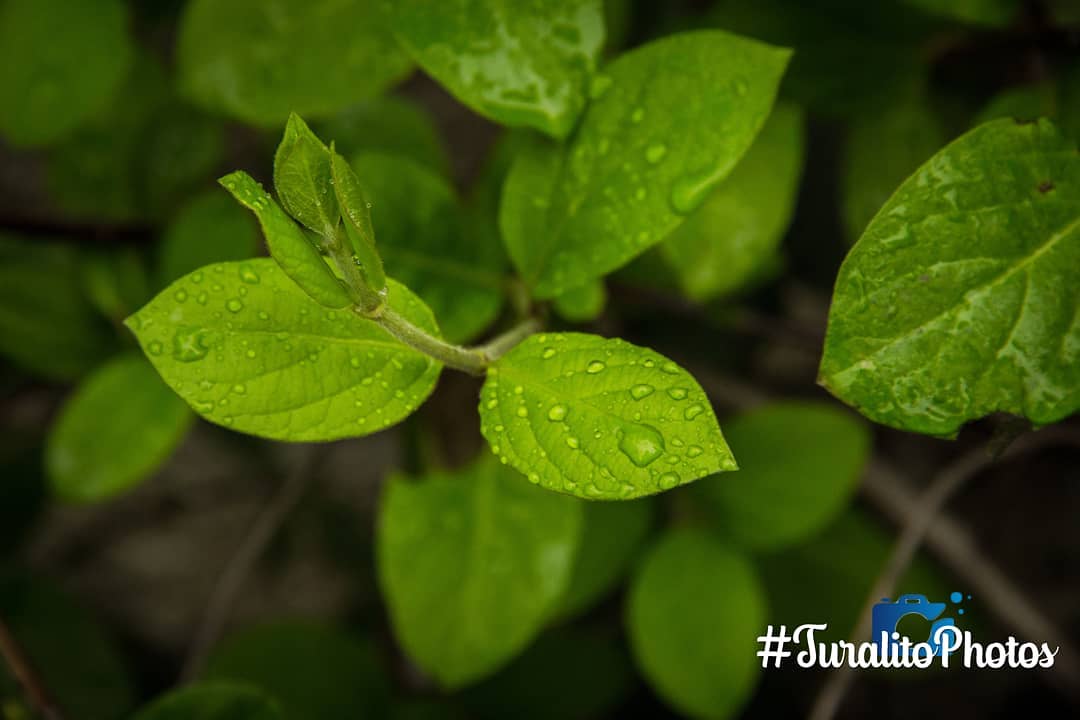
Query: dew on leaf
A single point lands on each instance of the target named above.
(668, 480)
(234, 305)
(248, 275)
(557, 413)
(693, 411)
(180, 295)
(639, 392)
(677, 393)
(693, 451)
(572, 443)
(154, 348)
(642, 444)
(548, 353)
(189, 344)
(596, 366)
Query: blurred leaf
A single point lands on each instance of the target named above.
(210, 228)
(960, 298)
(212, 701)
(1027, 103)
(611, 539)
(645, 156)
(518, 64)
(302, 178)
(567, 674)
(115, 281)
(60, 63)
(884, 147)
(47, 326)
(248, 350)
(74, 656)
(801, 463)
(694, 612)
(91, 460)
(990, 13)
(471, 564)
(726, 241)
(288, 244)
(581, 414)
(315, 671)
(387, 124)
(582, 304)
(839, 565)
(179, 150)
(259, 61)
(421, 234)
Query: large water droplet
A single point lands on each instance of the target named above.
(693, 411)
(677, 393)
(693, 451)
(248, 275)
(557, 413)
(596, 366)
(642, 444)
(154, 348)
(548, 353)
(234, 305)
(572, 443)
(189, 344)
(668, 480)
(639, 392)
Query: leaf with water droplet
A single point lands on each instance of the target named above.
(300, 370)
(694, 611)
(90, 460)
(356, 219)
(669, 128)
(733, 238)
(598, 435)
(518, 64)
(288, 245)
(302, 178)
(479, 542)
(961, 299)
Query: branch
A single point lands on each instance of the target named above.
(239, 567)
(24, 673)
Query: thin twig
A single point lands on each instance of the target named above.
(239, 567)
(921, 516)
(24, 672)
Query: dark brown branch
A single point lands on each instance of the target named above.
(36, 693)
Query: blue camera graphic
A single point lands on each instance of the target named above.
(887, 614)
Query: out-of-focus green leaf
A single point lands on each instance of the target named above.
(60, 63)
(695, 610)
(961, 298)
(611, 538)
(211, 228)
(387, 124)
(726, 241)
(567, 674)
(471, 564)
(313, 670)
(800, 465)
(599, 418)
(517, 63)
(75, 657)
(258, 61)
(991, 13)
(179, 150)
(1026, 103)
(582, 304)
(667, 123)
(212, 701)
(248, 350)
(884, 147)
(115, 281)
(117, 428)
(420, 227)
(47, 325)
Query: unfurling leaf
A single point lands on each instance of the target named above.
(302, 178)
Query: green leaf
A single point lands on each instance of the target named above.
(601, 419)
(115, 281)
(259, 61)
(884, 147)
(422, 239)
(212, 701)
(516, 64)
(312, 670)
(1029, 102)
(302, 178)
(471, 564)
(611, 538)
(292, 250)
(356, 218)
(694, 612)
(567, 673)
(801, 463)
(60, 62)
(91, 684)
(248, 350)
(960, 298)
(667, 123)
(388, 124)
(990, 13)
(582, 304)
(211, 228)
(175, 154)
(90, 460)
(726, 242)
(47, 326)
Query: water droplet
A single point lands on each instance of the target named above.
(234, 305)
(548, 353)
(154, 348)
(534, 478)
(639, 392)
(596, 366)
(668, 480)
(355, 362)
(677, 393)
(518, 389)
(740, 85)
(693, 451)
(693, 411)
(251, 353)
(492, 404)
(189, 344)
(642, 444)
(637, 115)
(522, 412)
(248, 275)
(239, 388)
(180, 295)
(655, 153)
(201, 299)
(670, 368)
(572, 443)
(557, 413)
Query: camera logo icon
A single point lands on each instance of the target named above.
(887, 613)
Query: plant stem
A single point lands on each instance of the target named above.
(502, 344)
(16, 660)
(470, 360)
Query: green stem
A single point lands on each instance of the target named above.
(506, 342)
(470, 360)
(359, 289)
